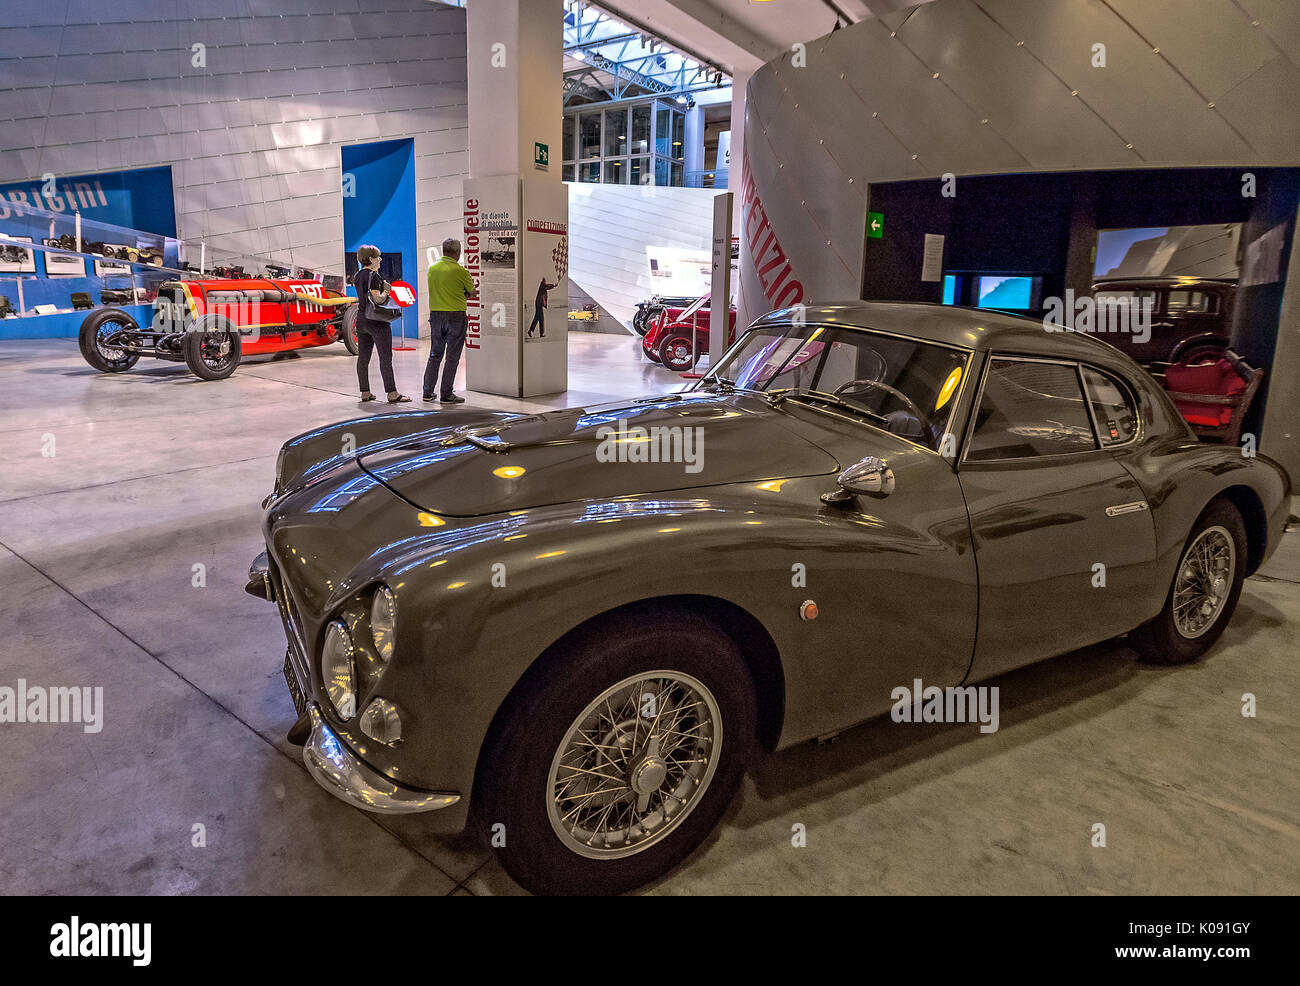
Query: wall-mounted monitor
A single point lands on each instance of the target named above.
(1012, 292)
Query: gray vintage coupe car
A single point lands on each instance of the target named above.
(573, 631)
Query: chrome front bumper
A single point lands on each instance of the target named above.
(339, 771)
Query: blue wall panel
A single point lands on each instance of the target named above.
(137, 199)
(381, 211)
(60, 325)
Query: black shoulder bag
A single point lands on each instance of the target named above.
(379, 311)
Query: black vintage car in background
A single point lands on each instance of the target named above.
(542, 630)
(1191, 317)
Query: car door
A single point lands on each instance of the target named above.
(1063, 534)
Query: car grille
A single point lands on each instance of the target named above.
(293, 627)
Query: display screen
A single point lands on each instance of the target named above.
(949, 289)
(1005, 292)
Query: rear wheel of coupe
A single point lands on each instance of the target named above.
(100, 326)
(212, 347)
(349, 329)
(619, 757)
(1206, 586)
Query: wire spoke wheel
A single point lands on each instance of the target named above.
(110, 353)
(217, 350)
(1204, 581)
(634, 764)
(212, 347)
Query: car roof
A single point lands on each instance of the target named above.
(978, 329)
(1171, 281)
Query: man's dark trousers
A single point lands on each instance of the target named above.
(446, 335)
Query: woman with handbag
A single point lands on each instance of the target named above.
(374, 311)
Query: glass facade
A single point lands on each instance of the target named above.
(636, 144)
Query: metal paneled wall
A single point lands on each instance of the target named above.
(998, 86)
(254, 134)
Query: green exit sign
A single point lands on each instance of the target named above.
(541, 156)
(875, 225)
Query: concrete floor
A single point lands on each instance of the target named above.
(155, 472)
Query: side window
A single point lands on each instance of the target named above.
(1030, 409)
(1112, 407)
(1132, 303)
(1196, 302)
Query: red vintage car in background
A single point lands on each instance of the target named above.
(678, 337)
(210, 325)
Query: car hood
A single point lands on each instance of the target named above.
(630, 448)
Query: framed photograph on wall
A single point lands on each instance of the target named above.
(64, 265)
(15, 258)
(105, 268)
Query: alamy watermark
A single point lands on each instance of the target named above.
(75, 940)
(56, 704)
(1109, 313)
(658, 443)
(930, 703)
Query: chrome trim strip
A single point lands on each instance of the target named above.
(340, 772)
(1137, 506)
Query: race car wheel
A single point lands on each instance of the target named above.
(95, 329)
(621, 752)
(677, 353)
(641, 322)
(1207, 584)
(212, 347)
(349, 331)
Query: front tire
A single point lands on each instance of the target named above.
(212, 347)
(677, 353)
(1205, 590)
(98, 326)
(598, 789)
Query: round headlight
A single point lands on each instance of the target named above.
(383, 622)
(337, 669)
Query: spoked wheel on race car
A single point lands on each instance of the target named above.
(212, 347)
(96, 336)
(348, 334)
(678, 353)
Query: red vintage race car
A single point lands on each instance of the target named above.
(679, 336)
(211, 325)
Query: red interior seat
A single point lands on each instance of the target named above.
(1217, 379)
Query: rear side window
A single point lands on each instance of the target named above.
(1029, 409)
(1112, 407)
(1195, 302)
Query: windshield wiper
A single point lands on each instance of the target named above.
(776, 397)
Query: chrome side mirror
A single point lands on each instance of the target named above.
(870, 477)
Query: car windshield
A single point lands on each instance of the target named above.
(905, 386)
(694, 307)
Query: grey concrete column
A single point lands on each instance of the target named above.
(1280, 433)
(516, 206)
(739, 85)
(693, 151)
(514, 51)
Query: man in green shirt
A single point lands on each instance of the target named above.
(449, 285)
